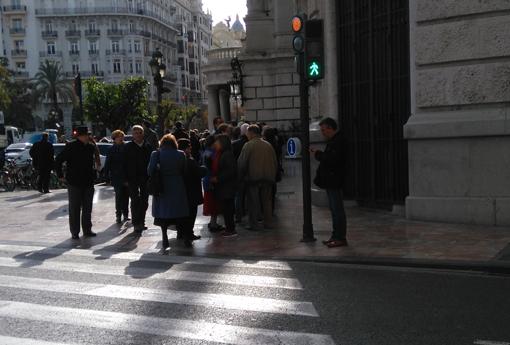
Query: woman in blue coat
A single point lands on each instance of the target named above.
(171, 206)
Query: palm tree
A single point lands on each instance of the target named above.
(50, 83)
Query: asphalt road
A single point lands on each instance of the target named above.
(55, 295)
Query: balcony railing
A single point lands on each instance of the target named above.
(14, 9)
(19, 52)
(85, 74)
(49, 34)
(92, 33)
(74, 53)
(73, 33)
(94, 52)
(116, 52)
(115, 32)
(50, 55)
(221, 54)
(20, 74)
(17, 31)
(103, 10)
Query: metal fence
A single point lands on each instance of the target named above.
(374, 92)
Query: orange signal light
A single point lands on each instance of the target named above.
(297, 24)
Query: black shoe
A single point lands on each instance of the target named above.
(188, 244)
(216, 229)
(227, 233)
(75, 237)
(165, 245)
(89, 234)
(118, 220)
(126, 219)
(196, 238)
(47, 192)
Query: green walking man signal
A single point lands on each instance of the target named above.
(314, 69)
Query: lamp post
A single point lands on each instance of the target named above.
(236, 84)
(158, 69)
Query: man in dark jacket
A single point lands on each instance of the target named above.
(193, 182)
(116, 173)
(179, 132)
(79, 156)
(43, 160)
(330, 177)
(150, 135)
(137, 155)
(237, 148)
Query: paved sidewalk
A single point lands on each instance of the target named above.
(373, 236)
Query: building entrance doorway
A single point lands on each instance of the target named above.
(374, 98)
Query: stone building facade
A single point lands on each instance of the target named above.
(459, 130)
(419, 88)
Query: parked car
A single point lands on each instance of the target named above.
(20, 153)
(52, 137)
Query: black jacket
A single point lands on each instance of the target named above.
(114, 168)
(180, 134)
(330, 174)
(137, 160)
(42, 155)
(227, 177)
(151, 138)
(193, 182)
(80, 160)
(237, 146)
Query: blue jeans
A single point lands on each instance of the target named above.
(336, 206)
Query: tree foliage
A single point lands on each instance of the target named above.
(172, 112)
(50, 83)
(19, 111)
(116, 106)
(5, 99)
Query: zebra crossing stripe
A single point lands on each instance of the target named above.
(234, 302)
(488, 342)
(25, 341)
(153, 257)
(151, 273)
(186, 329)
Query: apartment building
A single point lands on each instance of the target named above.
(109, 39)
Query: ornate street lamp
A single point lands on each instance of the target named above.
(158, 69)
(236, 84)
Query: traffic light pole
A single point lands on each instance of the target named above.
(308, 235)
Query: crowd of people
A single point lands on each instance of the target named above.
(232, 171)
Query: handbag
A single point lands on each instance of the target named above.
(155, 181)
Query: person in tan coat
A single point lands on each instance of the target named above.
(258, 167)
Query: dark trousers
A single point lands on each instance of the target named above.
(139, 202)
(43, 184)
(121, 201)
(80, 208)
(228, 207)
(240, 201)
(260, 197)
(185, 226)
(336, 205)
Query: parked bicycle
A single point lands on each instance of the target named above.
(7, 180)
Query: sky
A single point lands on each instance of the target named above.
(222, 9)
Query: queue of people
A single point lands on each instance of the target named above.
(232, 172)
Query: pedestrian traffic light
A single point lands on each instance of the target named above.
(314, 49)
(298, 43)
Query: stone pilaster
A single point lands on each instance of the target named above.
(459, 131)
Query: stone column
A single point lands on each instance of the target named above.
(459, 130)
(213, 105)
(283, 11)
(225, 104)
(259, 27)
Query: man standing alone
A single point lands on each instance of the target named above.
(43, 160)
(330, 178)
(137, 155)
(79, 156)
(258, 166)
